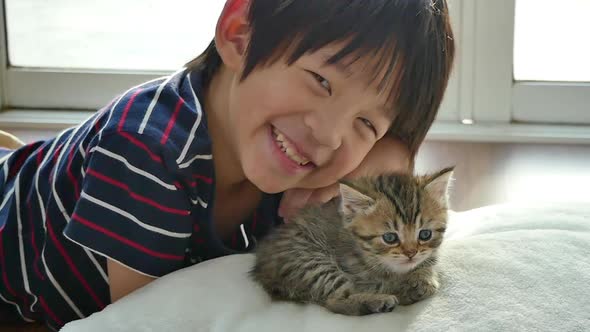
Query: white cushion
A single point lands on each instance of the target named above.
(505, 268)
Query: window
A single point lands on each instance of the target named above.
(151, 35)
(521, 72)
(66, 54)
(551, 68)
(551, 42)
(500, 107)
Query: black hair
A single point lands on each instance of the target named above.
(411, 42)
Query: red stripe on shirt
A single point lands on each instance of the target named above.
(71, 176)
(40, 156)
(54, 166)
(141, 145)
(3, 264)
(203, 178)
(172, 121)
(20, 161)
(180, 186)
(135, 196)
(71, 265)
(97, 124)
(127, 108)
(49, 312)
(57, 152)
(33, 243)
(128, 242)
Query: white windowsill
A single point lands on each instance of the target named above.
(41, 119)
(444, 131)
(511, 133)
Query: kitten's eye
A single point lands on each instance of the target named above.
(390, 238)
(322, 81)
(425, 235)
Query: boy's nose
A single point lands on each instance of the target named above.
(327, 130)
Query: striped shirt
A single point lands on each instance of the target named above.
(133, 183)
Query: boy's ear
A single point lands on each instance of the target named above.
(232, 34)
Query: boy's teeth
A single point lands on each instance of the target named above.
(289, 150)
(295, 157)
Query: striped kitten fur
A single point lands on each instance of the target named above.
(371, 249)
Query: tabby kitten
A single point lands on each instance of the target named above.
(371, 249)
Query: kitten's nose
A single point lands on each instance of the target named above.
(410, 252)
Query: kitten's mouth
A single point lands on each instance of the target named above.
(401, 266)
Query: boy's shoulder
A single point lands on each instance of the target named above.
(165, 111)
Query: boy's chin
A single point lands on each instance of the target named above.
(266, 186)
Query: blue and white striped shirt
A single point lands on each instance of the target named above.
(133, 183)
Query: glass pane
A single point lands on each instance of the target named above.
(552, 40)
(109, 34)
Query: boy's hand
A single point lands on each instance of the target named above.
(123, 280)
(388, 155)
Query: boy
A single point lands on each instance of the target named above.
(290, 96)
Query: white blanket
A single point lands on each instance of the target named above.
(505, 268)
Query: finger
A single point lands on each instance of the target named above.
(388, 155)
(324, 195)
(292, 201)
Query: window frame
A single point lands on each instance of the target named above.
(482, 102)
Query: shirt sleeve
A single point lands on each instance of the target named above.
(130, 209)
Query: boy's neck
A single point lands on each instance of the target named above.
(232, 188)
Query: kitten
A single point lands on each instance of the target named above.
(371, 249)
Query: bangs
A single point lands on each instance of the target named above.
(383, 68)
(372, 30)
(408, 44)
(391, 34)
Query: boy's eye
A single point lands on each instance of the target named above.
(322, 81)
(369, 124)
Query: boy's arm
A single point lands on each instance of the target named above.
(388, 155)
(123, 280)
(131, 211)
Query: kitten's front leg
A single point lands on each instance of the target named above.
(362, 304)
(418, 285)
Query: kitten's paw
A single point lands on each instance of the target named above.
(419, 289)
(380, 304)
(361, 304)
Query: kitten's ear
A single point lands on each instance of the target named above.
(437, 185)
(353, 202)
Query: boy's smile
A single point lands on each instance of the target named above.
(291, 156)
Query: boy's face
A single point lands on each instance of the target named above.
(305, 125)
